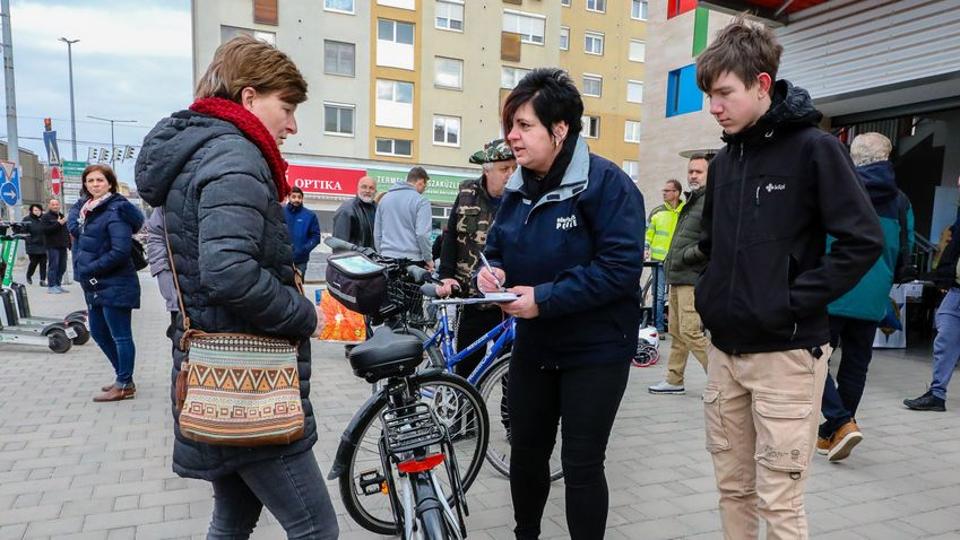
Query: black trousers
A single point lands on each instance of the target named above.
(37, 260)
(841, 398)
(586, 399)
(472, 324)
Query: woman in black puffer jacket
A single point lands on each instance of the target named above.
(217, 172)
(35, 245)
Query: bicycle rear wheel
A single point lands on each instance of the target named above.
(460, 409)
(493, 389)
(429, 512)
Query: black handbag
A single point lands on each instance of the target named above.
(357, 282)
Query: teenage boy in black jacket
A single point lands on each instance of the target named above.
(775, 191)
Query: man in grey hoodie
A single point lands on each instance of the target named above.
(402, 226)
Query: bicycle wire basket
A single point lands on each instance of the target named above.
(408, 299)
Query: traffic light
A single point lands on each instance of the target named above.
(128, 152)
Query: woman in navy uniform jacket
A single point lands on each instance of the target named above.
(568, 240)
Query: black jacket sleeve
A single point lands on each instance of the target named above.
(706, 220)
(342, 221)
(448, 249)
(846, 214)
(232, 211)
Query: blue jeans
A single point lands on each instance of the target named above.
(946, 346)
(56, 266)
(841, 399)
(291, 487)
(660, 299)
(110, 328)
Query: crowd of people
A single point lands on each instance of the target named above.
(783, 248)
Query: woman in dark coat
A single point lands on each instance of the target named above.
(102, 224)
(568, 241)
(35, 245)
(217, 172)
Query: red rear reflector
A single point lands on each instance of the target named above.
(416, 466)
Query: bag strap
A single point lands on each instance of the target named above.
(173, 270)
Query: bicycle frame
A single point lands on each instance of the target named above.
(501, 334)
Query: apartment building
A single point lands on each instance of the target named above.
(398, 83)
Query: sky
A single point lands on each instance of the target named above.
(133, 62)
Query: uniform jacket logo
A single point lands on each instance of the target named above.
(564, 223)
(775, 187)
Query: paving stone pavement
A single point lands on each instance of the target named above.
(72, 469)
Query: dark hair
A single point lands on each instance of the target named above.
(676, 184)
(705, 157)
(417, 173)
(295, 189)
(37, 206)
(107, 172)
(742, 48)
(555, 99)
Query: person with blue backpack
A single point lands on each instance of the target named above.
(855, 316)
(102, 224)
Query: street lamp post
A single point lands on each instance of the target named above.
(73, 120)
(113, 148)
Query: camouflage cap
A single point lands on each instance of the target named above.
(495, 150)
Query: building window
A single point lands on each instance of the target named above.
(530, 27)
(679, 7)
(631, 131)
(565, 3)
(635, 91)
(591, 127)
(597, 5)
(395, 31)
(229, 32)
(564, 38)
(394, 104)
(402, 4)
(683, 95)
(592, 85)
(701, 20)
(339, 58)
(446, 130)
(394, 147)
(450, 16)
(638, 10)
(338, 119)
(341, 6)
(448, 73)
(510, 76)
(395, 44)
(632, 168)
(593, 43)
(638, 51)
(395, 91)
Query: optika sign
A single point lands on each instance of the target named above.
(324, 180)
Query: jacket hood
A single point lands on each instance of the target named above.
(169, 146)
(791, 108)
(879, 180)
(401, 185)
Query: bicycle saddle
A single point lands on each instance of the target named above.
(386, 355)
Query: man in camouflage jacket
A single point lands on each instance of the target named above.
(464, 239)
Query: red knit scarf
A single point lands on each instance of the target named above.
(253, 129)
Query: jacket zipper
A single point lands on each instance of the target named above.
(736, 239)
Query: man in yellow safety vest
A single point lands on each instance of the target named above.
(660, 227)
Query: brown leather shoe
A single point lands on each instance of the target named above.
(116, 394)
(823, 445)
(846, 437)
(109, 386)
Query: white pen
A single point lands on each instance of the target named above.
(489, 268)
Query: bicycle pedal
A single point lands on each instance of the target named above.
(372, 482)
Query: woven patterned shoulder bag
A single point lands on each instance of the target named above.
(236, 389)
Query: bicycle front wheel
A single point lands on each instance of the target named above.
(493, 389)
(365, 487)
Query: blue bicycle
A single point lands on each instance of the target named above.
(490, 376)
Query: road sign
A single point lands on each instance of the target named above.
(74, 169)
(55, 180)
(9, 184)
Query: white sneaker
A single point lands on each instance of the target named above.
(663, 387)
